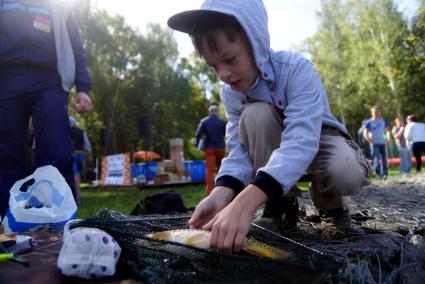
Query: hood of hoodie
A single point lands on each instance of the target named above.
(252, 16)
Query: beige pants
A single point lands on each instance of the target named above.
(339, 169)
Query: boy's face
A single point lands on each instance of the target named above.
(233, 63)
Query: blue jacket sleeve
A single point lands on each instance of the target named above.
(82, 77)
(200, 131)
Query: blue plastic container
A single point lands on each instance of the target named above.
(197, 169)
(146, 169)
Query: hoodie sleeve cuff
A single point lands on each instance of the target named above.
(268, 185)
(230, 182)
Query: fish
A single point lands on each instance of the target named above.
(201, 239)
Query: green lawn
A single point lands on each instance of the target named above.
(125, 199)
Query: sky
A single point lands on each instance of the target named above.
(290, 22)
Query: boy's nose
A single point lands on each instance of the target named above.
(223, 74)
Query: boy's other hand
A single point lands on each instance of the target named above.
(210, 206)
(231, 225)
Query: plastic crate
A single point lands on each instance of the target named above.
(196, 169)
(146, 169)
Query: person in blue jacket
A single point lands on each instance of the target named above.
(41, 59)
(213, 129)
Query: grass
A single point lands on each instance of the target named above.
(125, 199)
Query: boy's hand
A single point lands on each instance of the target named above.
(230, 226)
(210, 206)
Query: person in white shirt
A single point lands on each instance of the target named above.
(415, 138)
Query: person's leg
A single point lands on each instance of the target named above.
(420, 146)
(422, 150)
(404, 160)
(210, 164)
(384, 157)
(219, 156)
(375, 160)
(219, 153)
(417, 153)
(77, 181)
(77, 167)
(14, 117)
(260, 130)
(339, 170)
(367, 151)
(52, 130)
(409, 160)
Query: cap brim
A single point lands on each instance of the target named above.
(184, 21)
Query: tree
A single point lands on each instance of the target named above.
(330, 51)
(381, 33)
(361, 52)
(135, 75)
(414, 85)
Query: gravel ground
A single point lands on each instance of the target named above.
(387, 242)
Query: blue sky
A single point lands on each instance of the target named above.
(290, 22)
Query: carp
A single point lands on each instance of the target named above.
(201, 239)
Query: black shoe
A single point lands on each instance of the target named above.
(279, 216)
(339, 217)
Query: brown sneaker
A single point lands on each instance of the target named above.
(339, 217)
(280, 216)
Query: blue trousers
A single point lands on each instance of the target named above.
(379, 159)
(42, 98)
(405, 160)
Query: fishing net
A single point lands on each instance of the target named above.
(167, 262)
(386, 244)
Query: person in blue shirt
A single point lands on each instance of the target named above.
(212, 129)
(378, 134)
(41, 59)
(279, 127)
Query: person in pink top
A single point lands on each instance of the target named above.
(400, 141)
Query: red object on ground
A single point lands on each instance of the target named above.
(395, 162)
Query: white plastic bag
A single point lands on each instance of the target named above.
(48, 201)
(88, 253)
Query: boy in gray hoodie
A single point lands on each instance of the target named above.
(279, 128)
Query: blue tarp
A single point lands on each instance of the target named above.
(148, 170)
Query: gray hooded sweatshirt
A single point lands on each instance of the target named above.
(287, 81)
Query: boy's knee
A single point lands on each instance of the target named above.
(258, 113)
(348, 180)
(343, 172)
